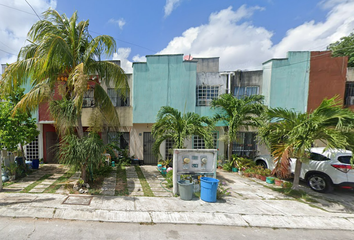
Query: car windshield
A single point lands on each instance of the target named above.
(344, 159)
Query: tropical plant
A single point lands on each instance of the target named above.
(238, 113)
(15, 129)
(62, 62)
(172, 124)
(344, 47)
(82, 153)
(291, 134)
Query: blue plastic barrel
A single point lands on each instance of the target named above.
(209, 187)
(35, 163)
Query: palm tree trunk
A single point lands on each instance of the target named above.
(297, 174)
(79, 128)
(229, 150)
(83, 173)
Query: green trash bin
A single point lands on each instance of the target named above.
(185, 189)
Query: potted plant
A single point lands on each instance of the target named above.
(278, 182)
(12, 169)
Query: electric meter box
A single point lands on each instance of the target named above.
(193, 162)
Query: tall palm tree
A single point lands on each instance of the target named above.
(292, 134)
(63, 58)
(172, 124)
(61, 48)
(238, 113)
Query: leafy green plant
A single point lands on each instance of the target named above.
(227, 166)
(12, 168)
(222, 190)
(82, 153)
(169, 179)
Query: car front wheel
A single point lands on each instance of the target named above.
(320, 183)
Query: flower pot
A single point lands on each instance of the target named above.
(235, 169)
(246, 174)
(278, 182)
(270, 180)
(263, 178)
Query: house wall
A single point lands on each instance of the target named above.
(164, 80)
(247, 79)
(210, 65)
(327, 78)
(288, 82)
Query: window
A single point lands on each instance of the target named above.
(245, 145)
(117, 99)
(241, 92)
(88, 100)
(349, 94)
(345, 159)
(205, 94)
(318, 157)
(169, 149)
(32, 150)
(198, 142)
(120, 138)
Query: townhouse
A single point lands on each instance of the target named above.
(300, 82)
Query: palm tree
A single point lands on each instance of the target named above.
(62, 49)
(172, 124)
(292, 134)
(63, 58)
(238, 113)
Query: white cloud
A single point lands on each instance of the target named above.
(122, 55)
(170, 6)
(16, 20)
(121, 22)
(318, 35)
(241, 45)
(138, 58)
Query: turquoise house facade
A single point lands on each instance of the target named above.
(286, 81)
(163, 80)
(169, 80)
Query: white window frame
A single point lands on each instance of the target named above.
(206, 93)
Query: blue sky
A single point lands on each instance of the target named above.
(242, 33)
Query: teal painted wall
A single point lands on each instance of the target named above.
(286, 85)
(27, 88)
(164, 80)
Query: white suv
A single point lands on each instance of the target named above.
(324, 169)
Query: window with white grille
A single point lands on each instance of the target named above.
(198, 142)
(169, 149)
(205, 94)
(32, 151)
(117, 99)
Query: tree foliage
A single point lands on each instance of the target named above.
(291, 134)
(238, 113)
(19, 128)
(172, 124)
(344, 47)
(62, 58)
(82, 153)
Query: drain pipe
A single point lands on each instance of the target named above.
(228, 81)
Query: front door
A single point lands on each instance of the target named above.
(149, 157)
(52, 147)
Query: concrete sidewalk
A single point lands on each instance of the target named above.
(231, 211)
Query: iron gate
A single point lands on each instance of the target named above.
(149, 157)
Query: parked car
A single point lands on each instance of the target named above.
(323, 171)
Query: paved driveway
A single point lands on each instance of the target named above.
(340, 200)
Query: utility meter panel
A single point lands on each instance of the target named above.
(193, 162)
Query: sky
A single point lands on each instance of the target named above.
(243, 34)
